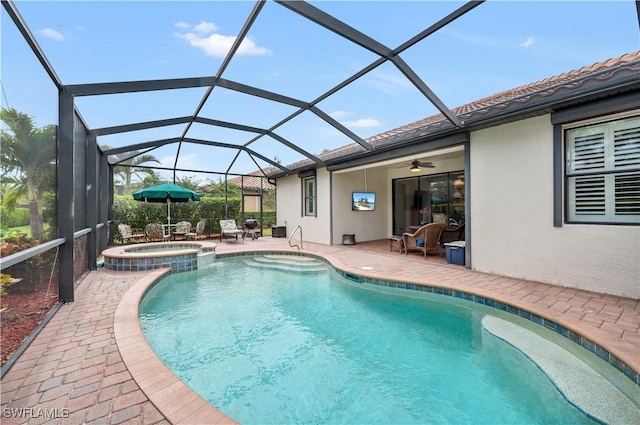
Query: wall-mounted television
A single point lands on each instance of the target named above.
(363, 201)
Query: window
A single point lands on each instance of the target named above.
(603, 172)
(309, 191)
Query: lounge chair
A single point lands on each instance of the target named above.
(155, 232)
(425, 239)
(199, 231)
(228, 229)
(127, 234)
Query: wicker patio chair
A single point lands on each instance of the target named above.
(426, 239)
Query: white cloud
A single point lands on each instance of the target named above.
(216, 44)
(182, 24)
(363, 123)
(205, 27)
(48, 32)
(528, 43)
(340, 114)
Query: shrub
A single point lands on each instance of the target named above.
(15, 218)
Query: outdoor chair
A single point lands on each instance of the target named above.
(181, 229)
(127, 234)
(155, 232)
(425, 239)
(229, 229)
(199, 231)
(454, 232)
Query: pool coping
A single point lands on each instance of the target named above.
(181, 405)
(121, 251)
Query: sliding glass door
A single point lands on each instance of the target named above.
(426, 199)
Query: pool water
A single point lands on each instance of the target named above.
(281, 347)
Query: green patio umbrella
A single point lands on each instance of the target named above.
(166, 193)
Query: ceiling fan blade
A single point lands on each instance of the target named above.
(426, 164)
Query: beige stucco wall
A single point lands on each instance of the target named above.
(512, 218)
(289, 208)
(366, 225)
(252, 203)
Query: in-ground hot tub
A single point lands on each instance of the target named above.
(180, 256)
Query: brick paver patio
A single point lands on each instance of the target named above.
(74, 368)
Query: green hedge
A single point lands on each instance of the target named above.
(18, 217)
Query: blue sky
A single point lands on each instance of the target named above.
(497, 46)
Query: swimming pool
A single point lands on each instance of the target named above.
(280, 348)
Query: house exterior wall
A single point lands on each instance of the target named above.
(512, 229)
(290, 213)
(252, 203)
(511, 207)
(366, 225)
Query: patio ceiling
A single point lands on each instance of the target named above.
(240, 119)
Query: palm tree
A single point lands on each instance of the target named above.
(131, 167)
(190, 182)
(151, 179)
(28, 164)
(217, 189)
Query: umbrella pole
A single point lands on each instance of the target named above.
(168, 212)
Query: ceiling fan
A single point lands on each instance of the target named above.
(416, 166)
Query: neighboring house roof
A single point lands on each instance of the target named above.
(620, 74)
(253, 181)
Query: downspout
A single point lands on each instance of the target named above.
(467, 204)
(330, 207)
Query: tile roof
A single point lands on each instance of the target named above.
(253, 181)
(540, 94)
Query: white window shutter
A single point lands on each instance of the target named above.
(627, 197)
(626, 147)
(587, 152)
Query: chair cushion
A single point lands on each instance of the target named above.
(228, 225)
(420, 242)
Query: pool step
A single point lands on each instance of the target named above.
(580, 384)
(287, 263)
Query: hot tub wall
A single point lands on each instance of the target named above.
(178, 263)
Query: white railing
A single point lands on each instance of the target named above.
(291, 237)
